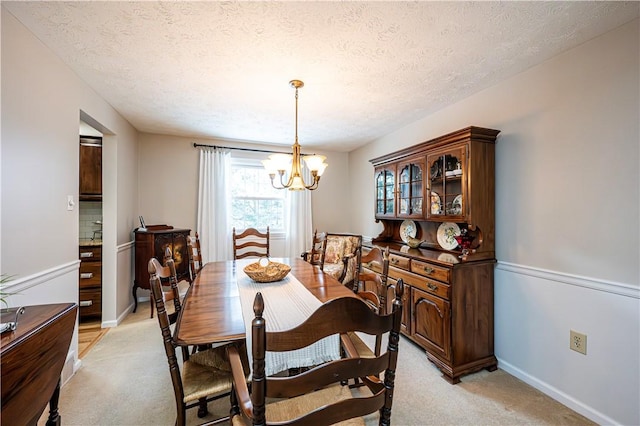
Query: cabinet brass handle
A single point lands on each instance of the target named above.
(86, 275)
(86, 254)
(394, 260)
(432, 287)
(86, 303)
(428, 269)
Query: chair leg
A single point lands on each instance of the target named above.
(235, 408)
(202, 408)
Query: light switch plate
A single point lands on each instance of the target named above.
(70, 203)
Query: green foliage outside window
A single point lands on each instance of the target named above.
(255, 203)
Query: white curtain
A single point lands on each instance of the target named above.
(298, 220)
(214, 204)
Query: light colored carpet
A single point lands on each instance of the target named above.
(124, 380)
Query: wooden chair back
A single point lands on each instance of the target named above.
(315, 256)
(337, 316)
(256, 242)
(341, 258)
(168, 278)
(373, 286)
(156, 273)
(373, 282)
(195, 255)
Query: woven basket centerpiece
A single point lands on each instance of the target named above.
(267, 271)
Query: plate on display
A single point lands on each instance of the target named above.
(408, 230)
(446, 233)
(436, 205)
(456, 206)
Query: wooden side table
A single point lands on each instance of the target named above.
(151, 242)
(32, 358)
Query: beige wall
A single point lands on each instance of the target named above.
(42, 104)
(566, 159)
(567, 218)
(169, 165)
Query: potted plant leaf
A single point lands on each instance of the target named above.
(9, 315)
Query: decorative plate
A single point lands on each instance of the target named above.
(446, 233)
(408, 230)
(436, 205)
(456, 206)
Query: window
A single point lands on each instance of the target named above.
(255, 203)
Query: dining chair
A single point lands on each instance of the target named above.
(253, 240)
(341, 258)
(168, 278)
(372, 289)
(195, 255)
(317, 396)
(315, 255)
(205, 375)
(374, 279)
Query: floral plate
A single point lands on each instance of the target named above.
(446, 233)
(408, 230)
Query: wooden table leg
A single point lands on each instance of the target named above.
(54, 416)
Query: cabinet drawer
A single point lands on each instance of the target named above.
(90, 302)
(418, 281)
(90, 274)
(430, 270)
(90, 253)
(399, 261)
(433, 287)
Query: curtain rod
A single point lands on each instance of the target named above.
(196, 145)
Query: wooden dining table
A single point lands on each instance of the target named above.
(212, 312)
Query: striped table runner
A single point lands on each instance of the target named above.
(287, 303)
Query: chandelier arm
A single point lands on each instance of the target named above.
(272, 177)
(314, 185)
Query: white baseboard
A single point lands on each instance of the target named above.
(121, 317)
(71, 365)
(556, 394)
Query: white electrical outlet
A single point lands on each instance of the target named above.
(578, 342)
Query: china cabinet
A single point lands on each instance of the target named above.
(442, 193)
(410, 188)
(385, 191)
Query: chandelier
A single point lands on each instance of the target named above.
(280, 163)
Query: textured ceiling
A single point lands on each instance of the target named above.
(221, 69)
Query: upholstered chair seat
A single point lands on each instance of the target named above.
(341, 257)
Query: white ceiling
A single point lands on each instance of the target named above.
(221, 69)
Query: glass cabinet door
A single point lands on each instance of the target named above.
(410, 188)
(447, 186)
(385, 191)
